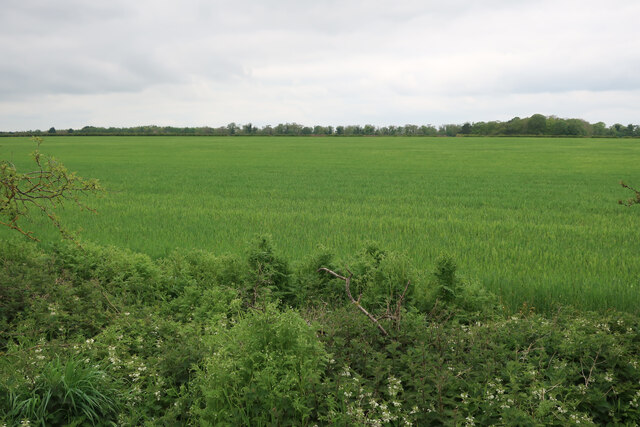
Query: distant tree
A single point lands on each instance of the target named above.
(577, 127)
(248, 129)
(428, 130)
(43, 189)
(449, 130)
(52, 130)
(537, 124)
(599, 129)
(466, 129)
(369, 130)
(515, 126)
(558, 127)
(617, 130)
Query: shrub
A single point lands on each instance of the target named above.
(467, 297)
(313, 287)
(267, 274)
(264, 370)
(134, 277)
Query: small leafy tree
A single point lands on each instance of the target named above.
(43, 189)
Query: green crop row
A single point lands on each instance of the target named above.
(534, 220)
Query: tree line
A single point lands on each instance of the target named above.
(536, 125)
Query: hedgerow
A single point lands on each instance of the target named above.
(99, 335)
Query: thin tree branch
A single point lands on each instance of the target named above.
(347, 281)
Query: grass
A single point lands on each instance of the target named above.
(535, 220)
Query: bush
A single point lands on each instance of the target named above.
(264, 370)
(35, 298)
(468, 298)
(312, 287)
(267, 274)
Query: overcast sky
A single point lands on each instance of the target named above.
(71, 63)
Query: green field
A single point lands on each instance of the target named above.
(534, 220)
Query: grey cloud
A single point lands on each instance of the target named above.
(271, 60)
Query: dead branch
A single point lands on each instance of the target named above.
(632, 201)
(347, 281)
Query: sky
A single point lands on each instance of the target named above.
(73, 63)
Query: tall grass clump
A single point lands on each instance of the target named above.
(68, 392)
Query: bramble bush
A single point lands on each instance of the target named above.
(181, 340)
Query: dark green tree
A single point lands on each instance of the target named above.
(537, 124)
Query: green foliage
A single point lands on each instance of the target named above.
(133, 276)
(265, 370)
(267, 274)
(35, 298)
(64, 393)
(381, 278)
(310, 286)
(533, 219)
(525, 370)
(446, 282)
(452, 292)
(137, 341)
(354, 402)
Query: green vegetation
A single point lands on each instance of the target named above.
(504, 290)
(536, 125)
(532, 220)
(99, 335)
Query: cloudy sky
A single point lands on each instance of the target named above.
(71, 63)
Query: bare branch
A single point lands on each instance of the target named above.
(44, 190)
(347, 281)
(632, 201)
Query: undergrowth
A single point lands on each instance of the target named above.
(103, 336)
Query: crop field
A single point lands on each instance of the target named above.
(534, 220)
